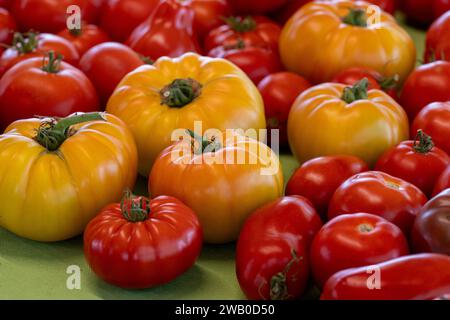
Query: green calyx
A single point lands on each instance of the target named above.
(202, 145)
(356, 92)
(356, 17)
(423, 143)
(133, 208)
(25, 42)
(278, 282)
(53, 63)
(180, 92)
(240, 24)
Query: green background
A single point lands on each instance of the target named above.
(33, 270)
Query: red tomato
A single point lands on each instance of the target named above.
(7, 28)
(55, 89)
(354, 240)
(272, 251)
(387, 5)
(208, 15)
(318, 179)
(106, 64)
(443, 182)
(434, 119)
(381, 194)
(255, 31)
(85, 38)
(419, 12)
(440, 7)
(5, 3)
(158, 241)
(418, 277)
(288, 10)
(438, 40)
(428, 83)
(256, 6)
(167, 32)
(279, 91)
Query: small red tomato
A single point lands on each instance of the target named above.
(443, 182)
(106, 64)
(354, 240)
(279, 91)
(158, 241)
(256, 6)
(381, 194)
(7, 28)
(85, 38)
(438, 39)
(272, 251)
(208, 15)
(318, 179)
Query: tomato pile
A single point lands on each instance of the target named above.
(86, 107)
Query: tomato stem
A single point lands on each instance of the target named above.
(133, 208)
(278, 283)
(356, 17)
(25, 44)
(146, 60)
(54, 62)
(356, 92)
(180, 92)
(240, 24)
(202, 145)
(365, 228)
(389, 82)
(76, 32)
(423, 143)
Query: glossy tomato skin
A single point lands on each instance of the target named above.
(256, 6)
(440, 7)
(7, 27)
(145, 253)
(389, 6)
(354, 240)
(381, 194)
(438, 39)
(428, 83)
(209, 14)
(84, 39)
(414, 277)
(443, 182)
(266, 246)
(318, 179)
(26, 90)
(106, 64)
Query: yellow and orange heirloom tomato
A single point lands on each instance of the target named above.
(154, 100)
(56, 174)
(223, 185)
(332, 119)
(325, 37)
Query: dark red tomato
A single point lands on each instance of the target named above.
(50, 88)
(288, 10)
(389, 6)
(418, 162)
(434, 119)
(85, 38)
(418, 12)
(120, 18)
(272, 250)
(255, 31)
(428, 83)
(35, 45)
(5, 4)
(7, 28)
(415, 277)
(256, 6)
(209, 14)
(381, 194)
(438, 40)
(279, 91)
(354, 240)
(440, 7)
(318, 179)
(167, 32)
(443, 182)
(106, 64)
(159, 240)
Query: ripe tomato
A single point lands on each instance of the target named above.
(158, 241)
(354, 240)
(272, 260)
(389, 6)
(418, 12)
(257, 31)
(440, 7)
(256, 6)
(434, 119)
(443, 182)
(5, 4)
(106, 64)
(52, 88)
(209, 14)
(318, 179)
(428, 83)
(381, 194)
(438, 40)
(85, 38)
(288, 10)
(418, 277)
(7, 28)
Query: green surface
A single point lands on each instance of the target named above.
(33, 270)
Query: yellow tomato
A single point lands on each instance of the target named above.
(174, 93)
(56, 175)
(326, 37)
(331, 119)
(223, 185)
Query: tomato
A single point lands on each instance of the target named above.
(389, 6)
(443, 182)
(279, 91)
(34, 45)
(440, 7)
(158, 241)
(288, 10)
(85, 38)
(272, 260)
(222, 193)
(167, 32)
(434, 119)
(428, 83)
(58, 173)
(7, 28)
(345, 120)
(354, 240)
(257, 31)
(438, 40)
(5, 3)
(317, 31)
(216, 93)
(318, 179)
(53, 89)
(209, 14)
(381, 194)
(418, 12)
(256, 6)
(107, 64)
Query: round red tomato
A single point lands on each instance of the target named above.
(7, 28)
(428, 83)
(158, 241)
(255, 31)
(50, 88)
(272, 251)
(434, 119)
(279, 91)
(443, 182)
(106, 64)
(438, 40)
(256, 6)
(85, 38)
(208, 15)
(354, 240)
(318, 179)
(381, 194)
(440, 7)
